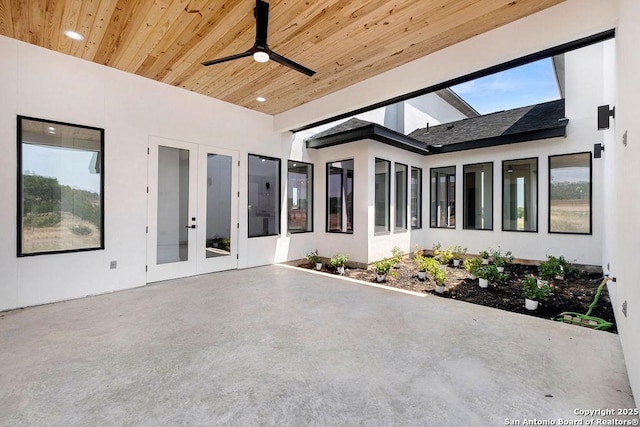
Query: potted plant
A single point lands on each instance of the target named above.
(382, 268)
(489, 273)
(443, 256)
(500, 259)
(421, 264)
(485, 257)
(438, 274)
(313, 258)
(472, 265)
(458, 253)
(552, 268)
(338, 262)
(533, 293)
(396, 256)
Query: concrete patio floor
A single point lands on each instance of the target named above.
(280, 346)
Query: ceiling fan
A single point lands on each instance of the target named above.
(260, 50)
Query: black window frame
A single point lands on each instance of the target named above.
(589, 154)
(387, 200)
(19, 200)
(278, 216)
(395, 198)
(455, 202)
(419, 201)
(342, 186)
(309, 211)
(537, 212)
(464, 201)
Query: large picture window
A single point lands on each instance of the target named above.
(340, 196)
(478, 196)
(382, 195)
(520, 195)
(401, 197)
(264, 196)
(570, 193)
(443, 197)
(60, 187)
(416, 198)
(299, 197)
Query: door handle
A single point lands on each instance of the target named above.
(190, 226)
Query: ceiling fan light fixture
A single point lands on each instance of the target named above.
(261, 56)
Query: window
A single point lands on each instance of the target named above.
(264, 196)
(401, 197)
(478, 196)
(382, 178)
(520, 195)
(299, 197)
(570, 193)
(443, 197)
(416, 198)
(60, 187)
(340, 196)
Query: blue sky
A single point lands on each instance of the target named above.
(525, 85)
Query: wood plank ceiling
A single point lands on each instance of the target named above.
(344, 41)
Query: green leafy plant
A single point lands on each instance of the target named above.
(501, 259)
(338, 260)
(420, 261)
(459, 252)
(532, 291)
(472, 265)
(484, 254)
(383, 266)
(433, 267)
(442, 255)
(553, 267)
(313, 257)
(396, 254)
(490, 272)
(81, 230)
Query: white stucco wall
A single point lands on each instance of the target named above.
(40, 83)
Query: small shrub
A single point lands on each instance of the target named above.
(501, 259)
(42, 220)
(383, 266)
(484, 254)
(433, 267)
(553, 267)
(532, 291)
(420, 261)
(472, 265)
(81, 230)
(396, 254)
(313, 257)
(338, 260)
(442, 255)
(459, 252)
(490, 272)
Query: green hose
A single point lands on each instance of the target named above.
(585, 319)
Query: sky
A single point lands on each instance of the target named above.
(528, 84)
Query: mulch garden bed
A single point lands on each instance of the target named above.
(575, 294)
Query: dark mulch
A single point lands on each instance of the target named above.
(575, 294)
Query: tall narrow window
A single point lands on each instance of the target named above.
(401, 197)
(340, 196)
(478, 196)
(299, 197)
(443, 197)
(520, 195)
(570, 193)
(264, 196)
(60, 187)
(416, 198)
(382, 190)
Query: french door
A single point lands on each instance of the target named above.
(192, 209)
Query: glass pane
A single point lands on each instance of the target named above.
(478, 196)
(570, 193)
(382, 195)
(443, 197)
(299, 197)
(520, 195)
(401, 197)
(173, 205)
(61, 187)
(218, 242)
(416, 199)
(264, 196)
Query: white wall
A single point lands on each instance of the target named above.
(622, 178)
(40, 83)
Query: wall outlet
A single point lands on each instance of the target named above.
(114, 265)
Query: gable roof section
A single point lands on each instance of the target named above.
(540, 121)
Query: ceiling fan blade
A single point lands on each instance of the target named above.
(261, 13)
(228, 58)
(289, 63)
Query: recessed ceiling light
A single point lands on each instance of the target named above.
(261, 99)
(73, 35)
(261, 56)
(51, 130)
